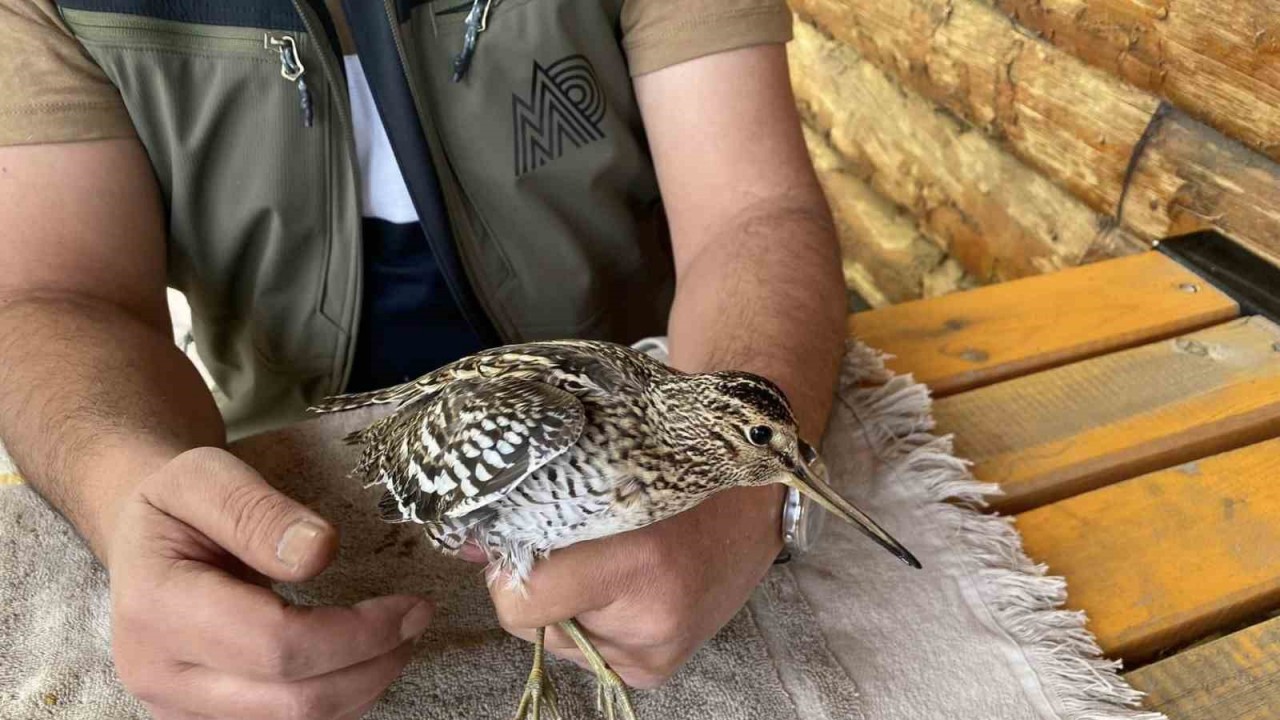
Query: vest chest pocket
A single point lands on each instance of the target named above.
(545, 139)
(237, 122)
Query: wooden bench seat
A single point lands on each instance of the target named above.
(962, 341)
(1237, 677)
(1130, 411)
(1163, 559)
(1064, 431)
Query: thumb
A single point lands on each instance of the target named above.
(219, 495)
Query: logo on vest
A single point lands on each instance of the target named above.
(565, 106)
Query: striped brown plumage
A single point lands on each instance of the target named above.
(527, 448)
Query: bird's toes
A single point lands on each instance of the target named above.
(539, 699)
(612, 698)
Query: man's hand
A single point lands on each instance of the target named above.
(649, 598)
(196, 632)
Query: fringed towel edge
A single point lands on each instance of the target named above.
(1016, 593)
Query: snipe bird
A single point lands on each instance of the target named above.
(528, 448)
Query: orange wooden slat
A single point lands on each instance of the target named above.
(1236, 677)
(966, 340)
(1068, 430)
(1162, 559)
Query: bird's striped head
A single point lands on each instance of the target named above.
(745, 434)
(753, 394)
(737, 428)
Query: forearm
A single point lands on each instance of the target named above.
(92, 399)
(767, 297)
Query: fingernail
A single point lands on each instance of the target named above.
(415, 622)
(297, 542)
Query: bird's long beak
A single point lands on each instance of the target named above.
(806, 479)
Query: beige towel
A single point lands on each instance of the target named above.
(974, 636)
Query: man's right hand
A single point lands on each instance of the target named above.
(96, 403)
(196, 631)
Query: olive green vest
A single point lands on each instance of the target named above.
(555, 227)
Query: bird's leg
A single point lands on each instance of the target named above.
(539, 699)
(610, 689)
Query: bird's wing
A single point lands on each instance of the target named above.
(468, 445)
(599, 363)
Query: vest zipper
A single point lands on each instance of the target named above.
(337, 82)
(291, 69)
(477, 22)
(452, 198)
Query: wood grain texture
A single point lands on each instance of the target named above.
(1077, 124)
(999, 218)
(1191, 178)
(1218, 60)
(994, 333)
(1065, 431)
(1160, 560)
(886, 258)
(1232, 678)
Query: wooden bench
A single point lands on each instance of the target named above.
(1131, 412)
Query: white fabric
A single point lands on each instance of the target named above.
(849, 633)
(383, 193)
(6, 465)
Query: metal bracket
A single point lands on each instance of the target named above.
(1250, 280)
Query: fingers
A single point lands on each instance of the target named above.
(270, 639)
(226, 500)
(640, 666)
(573, 581)
(196, 635)
(343, 695)
(646, 601)
(328, 696)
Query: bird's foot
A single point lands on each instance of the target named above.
(539, 699)
(611, 695)
(611, 692)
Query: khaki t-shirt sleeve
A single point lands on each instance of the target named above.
(660, 33)
(50, 89)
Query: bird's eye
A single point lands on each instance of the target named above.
(760, 435)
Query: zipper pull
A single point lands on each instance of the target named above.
(291, 69)
(477, 22)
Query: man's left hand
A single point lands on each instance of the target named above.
(649, 598)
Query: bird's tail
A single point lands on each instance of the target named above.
(351, 401)
(373, 434)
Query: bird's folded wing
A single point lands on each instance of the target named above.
(470, 444)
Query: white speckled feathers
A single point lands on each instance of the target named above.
(468, 433)
(460, 449)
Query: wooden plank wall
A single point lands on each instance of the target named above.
(1006, 138)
